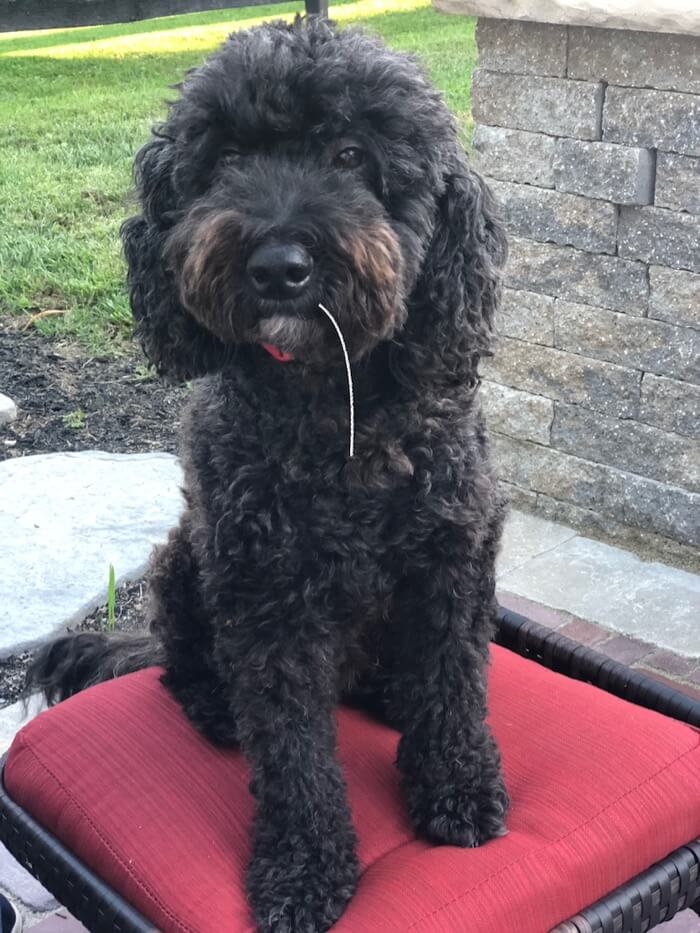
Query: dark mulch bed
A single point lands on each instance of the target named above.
(69, 400)
(129, 616)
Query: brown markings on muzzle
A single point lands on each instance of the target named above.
(209, 256)
(375, 255)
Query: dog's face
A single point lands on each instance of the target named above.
(300, 166)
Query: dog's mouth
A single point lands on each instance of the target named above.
(289, 337)
(293, 329)
(282, 356)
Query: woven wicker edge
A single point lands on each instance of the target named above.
(71, 882)
(562, 654)
(652, 897)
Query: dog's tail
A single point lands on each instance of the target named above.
(72, 662)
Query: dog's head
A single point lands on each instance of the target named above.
(300, 165)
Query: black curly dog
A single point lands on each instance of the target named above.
(301, 165)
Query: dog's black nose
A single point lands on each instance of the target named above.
(280, 270)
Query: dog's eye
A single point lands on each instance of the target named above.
(229, 154)
(351, 157)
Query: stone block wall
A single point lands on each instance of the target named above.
(590, 139)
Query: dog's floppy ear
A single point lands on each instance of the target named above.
(172, 340)
(451, 321)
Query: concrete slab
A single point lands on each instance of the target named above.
(59, 922)
(604, 584)
(13, 717)
(64, 519)
(525, 536)
(22, 886)
(684, 922)
(11, 720)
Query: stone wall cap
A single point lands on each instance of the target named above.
(675, 16)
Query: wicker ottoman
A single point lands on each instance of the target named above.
(136, 823)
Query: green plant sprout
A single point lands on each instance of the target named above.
(111, 599)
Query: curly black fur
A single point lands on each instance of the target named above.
(297, 577)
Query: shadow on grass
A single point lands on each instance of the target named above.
(403, 28)
(238, 16)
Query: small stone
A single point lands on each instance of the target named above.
(658, 236)
(521, 48)
(516, 413)
(631, 58)
(622, 174)
(674, 296)
(69, 516)
(513, 155)
(543, 105)
(678, 182)
(8, 410)
(552, 216)
(652, 119)
(565, 272)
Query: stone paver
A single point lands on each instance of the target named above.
(12, 718)
(526, 536)
(667, 661)
(684, 922)
(603, 584)
(626, 650)
(65, 517)
(61, 922)
(23, 886)
(8, 409)
(586, 633)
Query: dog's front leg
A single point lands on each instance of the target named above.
(303, 869)
(448, 758)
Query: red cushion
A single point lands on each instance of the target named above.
(600, 788)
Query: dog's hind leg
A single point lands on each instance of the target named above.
(182, 624)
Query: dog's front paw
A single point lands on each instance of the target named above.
(299, 884)
(460, 815)
(456, 798)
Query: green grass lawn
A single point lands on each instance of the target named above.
(75, 104)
